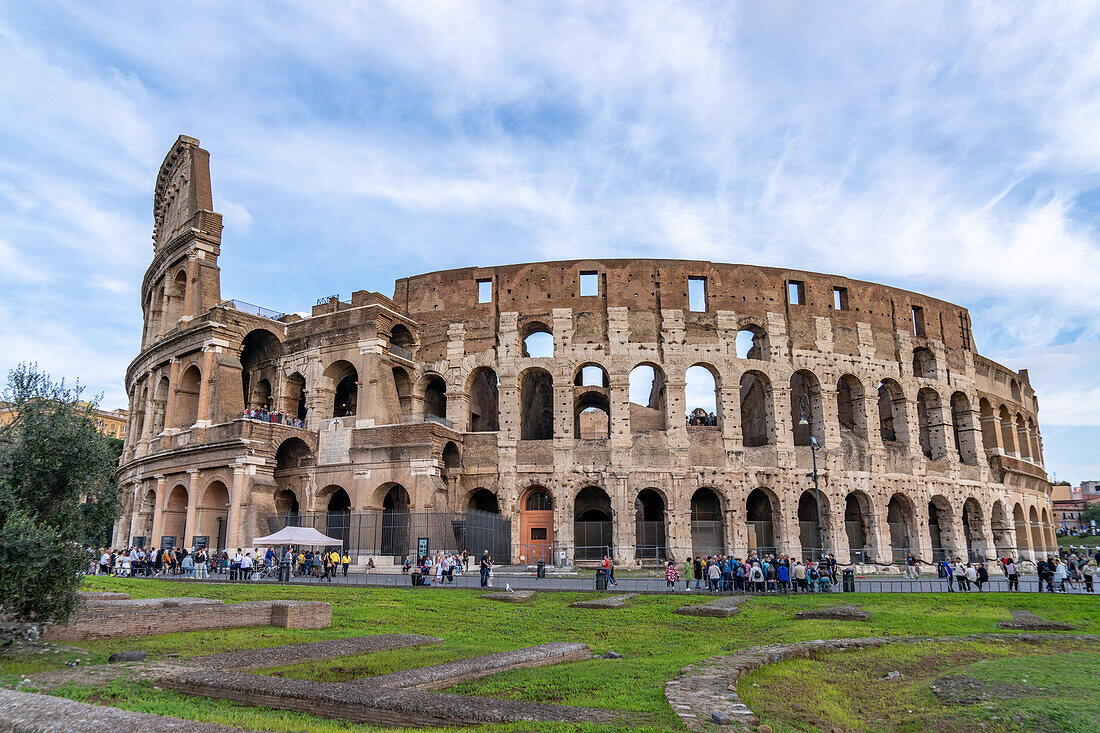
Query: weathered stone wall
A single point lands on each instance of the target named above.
(904, 410)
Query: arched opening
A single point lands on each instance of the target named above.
(989, 425)
(435, 398)
(260, 352)
(338, 514)
(891, 411)
(703, 400)
(756, 407)
(1022, 438)
(900, 517)
(708, 529)
(452, 459)
(591, 375)
(760, 510)
(592, 528)
(857, 525)
(972, 530)
(396, 522)
(536, 397)
(403, 386)
(187, 398)
(341, 380)
(402, 338)
(591, 416)
(160, 405)
(175, 517)
(1050, 543)
(288, 507)
(139, 414)
(850, 407)
(811, 532)
(940, 524)
(344, 403)
(1002, 530)
(649, 526)
(1019, 520)
(752, 343)
(146, 512)
(1038, 544)
(483, 500)
(806, 389)
(1008, 432)
(292, 461)
(536, 525)
(177, 293)
(1033, 434)
(212, 515)
(962, 424)
(647, 399)
(483, 391)
(294, 397)
(538, 341)
(930, 424)
(924, 363)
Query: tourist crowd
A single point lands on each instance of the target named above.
(275, 418)
(443, 567)
(755, 574)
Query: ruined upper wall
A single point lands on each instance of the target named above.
(649, 286)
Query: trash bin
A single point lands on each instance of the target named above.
(284, 572)
(601, 579)
(540, 571)
(940, 571)
(849, 580)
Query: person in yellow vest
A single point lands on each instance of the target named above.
(334, 558)
(345, 561)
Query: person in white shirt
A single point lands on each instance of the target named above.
(246, 566)
(105, 563)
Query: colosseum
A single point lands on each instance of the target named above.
(646, 409)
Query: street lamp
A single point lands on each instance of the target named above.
(804, 415)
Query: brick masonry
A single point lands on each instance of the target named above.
(296, 653)
(112, 619)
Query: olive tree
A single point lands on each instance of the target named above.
(56, 494)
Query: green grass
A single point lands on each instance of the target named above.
(1093, 541)
(1056, 687)
(655, 643)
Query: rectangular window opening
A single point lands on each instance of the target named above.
(796, 292)
(918, 321)
(538, 533)
(590, 283)
(840, 299)
(697, 294)
(484, 291)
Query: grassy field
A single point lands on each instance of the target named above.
(654, 642)
(1093, 541)
(1004, 687)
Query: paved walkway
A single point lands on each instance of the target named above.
(519, 579)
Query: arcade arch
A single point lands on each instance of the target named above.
(708, 529)
(593, 530)
(536, 395)
(756, 410)
(650, 526)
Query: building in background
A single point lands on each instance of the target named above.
(112, 424)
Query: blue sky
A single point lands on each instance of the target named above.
(949, 148)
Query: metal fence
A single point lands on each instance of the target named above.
(398, 534)
(593, 540)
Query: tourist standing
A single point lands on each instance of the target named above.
(486, 569)
(671, 576)
(911, 566)
(1013, 574)
(345, 562)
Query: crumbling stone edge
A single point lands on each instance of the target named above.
(704, 695)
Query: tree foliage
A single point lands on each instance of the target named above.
(1092, 512)
(56, 494)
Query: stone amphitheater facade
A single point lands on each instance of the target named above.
(436, 401)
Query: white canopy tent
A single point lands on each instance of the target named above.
(307, 536)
